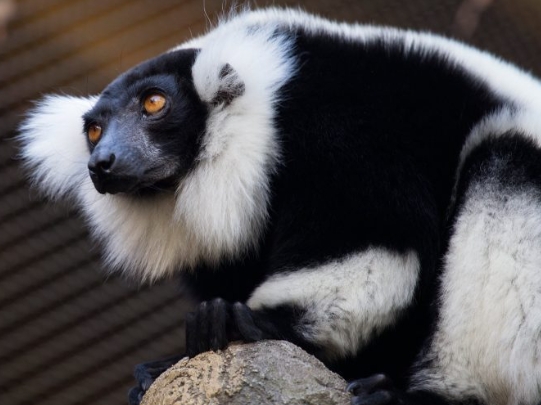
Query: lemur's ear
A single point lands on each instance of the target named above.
(231, 86)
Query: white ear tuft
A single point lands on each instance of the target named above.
(54, 148)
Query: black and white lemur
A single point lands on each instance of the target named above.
(370, 194)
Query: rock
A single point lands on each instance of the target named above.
(267, 372)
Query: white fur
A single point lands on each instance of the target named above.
(487, 343)
(346, 301)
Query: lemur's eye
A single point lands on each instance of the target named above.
(154, 103)
(94, 133)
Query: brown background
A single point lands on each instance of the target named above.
(69, 334)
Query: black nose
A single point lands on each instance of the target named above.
(101, 169)
(101, 164)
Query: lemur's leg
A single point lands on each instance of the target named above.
(487, 342)
(486, 348)
(336, 308)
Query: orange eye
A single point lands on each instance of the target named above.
(94, 133)
(154, 103)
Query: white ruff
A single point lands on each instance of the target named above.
(224, 202)
(347, 301)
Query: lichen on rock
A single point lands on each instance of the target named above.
(262, 373)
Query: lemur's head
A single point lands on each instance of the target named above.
(146, 128)
(194, 129)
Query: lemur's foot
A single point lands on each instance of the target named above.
(145, 374)
(374, 390)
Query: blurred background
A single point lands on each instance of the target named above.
(69, 333)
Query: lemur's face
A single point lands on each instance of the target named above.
(145, 130)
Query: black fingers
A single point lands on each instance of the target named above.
(206, 327)
(244, 319)
(219, 316)
(214, 324)
(202, 320)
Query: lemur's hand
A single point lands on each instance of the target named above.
(214, 324)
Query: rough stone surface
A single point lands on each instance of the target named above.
(268, 372)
